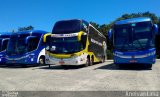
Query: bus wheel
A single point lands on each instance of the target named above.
(92, 61)
(87, 62)
(24, 66)
(119, 66)
(103, 59)
(149, 66)
(41, 61)
(64, 66)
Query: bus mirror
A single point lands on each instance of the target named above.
(110, 34)
(45, 37)
(155, 27)
(79, 37)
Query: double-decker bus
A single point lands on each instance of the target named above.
(75, 42)
(134, 41)
(26, 48)
(4, 38)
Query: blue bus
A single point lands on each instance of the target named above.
(26, 48)
(4, 38)
(134, 41)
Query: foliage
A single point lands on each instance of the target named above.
(154, 18)
(25, 28)
(109, 54)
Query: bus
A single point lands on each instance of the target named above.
(75, 42)
(4, 38)
(134, 41)
(26, 48)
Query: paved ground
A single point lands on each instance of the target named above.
(100, 77)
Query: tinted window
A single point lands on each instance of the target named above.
(134, 36)
(65, 27)
(64, 45)
(4, 45)
(17, 44)
(33, 43)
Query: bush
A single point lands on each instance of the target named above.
(109, 54)
(158, 56)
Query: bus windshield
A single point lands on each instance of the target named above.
(66, 45)
(65, 27)
(136, 36)
(17, 44)
(3, 44)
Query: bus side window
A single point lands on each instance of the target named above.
(5, 43)
(32, 44)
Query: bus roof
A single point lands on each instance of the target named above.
(67, 20)
(73, 20)
(133, 20)
(32, 31)
(5, 34)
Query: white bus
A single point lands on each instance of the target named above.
(75, 42)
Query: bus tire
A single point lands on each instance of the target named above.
(42, 60)
(103, 59)
(49, 66)
(64, 66)
(87, 62)
(149, 66)
(92, 61)
(120, 66)
(24, 66)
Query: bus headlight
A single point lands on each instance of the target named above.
(150, 54)
(147, 55)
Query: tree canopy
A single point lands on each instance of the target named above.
(26, 28)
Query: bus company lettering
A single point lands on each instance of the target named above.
(64, 35)
(96, 42)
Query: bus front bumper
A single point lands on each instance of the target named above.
(146, 60)
(20, 60)
(2, 60)
(65, 61)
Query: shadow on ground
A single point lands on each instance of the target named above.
(14, 66)
(134, 67)
(58, 67)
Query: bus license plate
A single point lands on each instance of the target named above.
(61, 62)
(13, 61)
(132, 61)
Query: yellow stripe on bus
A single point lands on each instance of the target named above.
(45, 36)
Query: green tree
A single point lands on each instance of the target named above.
(154, 18)
(103, 29)
(26, 28)
(94, 25)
